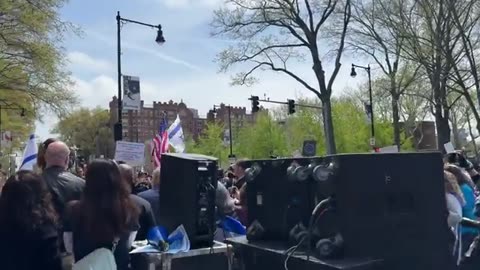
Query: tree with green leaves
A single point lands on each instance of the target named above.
(305, 124)
(353, 127)
(32, 61)
(87, 129)
(262, 139)
(17, 116)
(210, 142)
(375, 37)
(276, 35)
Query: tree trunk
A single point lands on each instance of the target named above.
(443, 129)
(396, 121)
(455, 132)
(476, 115)
(472, 136)
(328, 126)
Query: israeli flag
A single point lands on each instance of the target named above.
(29, 159)
(175, 136)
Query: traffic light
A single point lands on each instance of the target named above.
(255, 104)
(291, 106)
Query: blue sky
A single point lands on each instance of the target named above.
(181, 69)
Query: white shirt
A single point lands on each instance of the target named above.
(454, 217)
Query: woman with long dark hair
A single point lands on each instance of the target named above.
(42, 149)
(105, 217)
(28, 225)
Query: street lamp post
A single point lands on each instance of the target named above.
(118, 130)
(229, 109)
(370, 106)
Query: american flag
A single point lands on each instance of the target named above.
(160, 143)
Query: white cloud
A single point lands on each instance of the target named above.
(132, 46)
(96, 92)
(84, 61)
(163, 56)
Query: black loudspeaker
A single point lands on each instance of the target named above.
(392, 206)
(280, 197)
(187, 196)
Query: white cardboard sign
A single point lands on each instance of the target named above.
(131, 153)
(449, 148)
(389, 149)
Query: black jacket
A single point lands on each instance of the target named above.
(146, 218)
(64, 186)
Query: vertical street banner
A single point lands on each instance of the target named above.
(226, 137)
(131, 93)
(368, 112)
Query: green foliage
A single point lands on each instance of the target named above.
(353, 130)
(11, 117)
(31, 57)
(210, 143)
(262, 139)
(87, 129)
(281, 135)
(12, 120)
(305, 124)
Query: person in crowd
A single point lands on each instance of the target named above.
(153, 195)
(79, 171)
(225, 206)
(228, 178)
(141, 183)
(146, 216)
(459, 158)
(455, 201)
(105, 217)
(468, 209)
(28, 225)
(239, 191)
(63, 185)
(42, 149)
(239, 171)
(223, 201)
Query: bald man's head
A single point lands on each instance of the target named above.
(127, 173)
(57, 154)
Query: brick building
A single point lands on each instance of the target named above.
(239, 116)
(142, 125)
(239, 119)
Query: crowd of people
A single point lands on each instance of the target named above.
(52, 218)
(462, 198)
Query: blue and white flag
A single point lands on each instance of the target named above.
(175, 136)
(29, 155)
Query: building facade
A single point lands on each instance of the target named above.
(238, 116)
(143, 125)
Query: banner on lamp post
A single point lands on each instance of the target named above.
(131, 93)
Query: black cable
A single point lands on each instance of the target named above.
(313, 220)
(291, 251)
